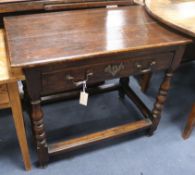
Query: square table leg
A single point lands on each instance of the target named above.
(18, 121)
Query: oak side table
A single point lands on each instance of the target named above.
(59, 51)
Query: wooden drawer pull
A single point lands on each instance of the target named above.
(78, 83)
(139, 66)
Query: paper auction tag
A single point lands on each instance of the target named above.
(83, 98)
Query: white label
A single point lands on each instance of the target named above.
(83, 98)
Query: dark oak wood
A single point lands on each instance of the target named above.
(57, 44)
(96, 45)
(130, 93)
(39, 131)
(57, 148)
(160, 100)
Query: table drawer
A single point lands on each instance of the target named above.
(70, 78)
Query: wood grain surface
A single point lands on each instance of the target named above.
(73, 35)
(179, 14)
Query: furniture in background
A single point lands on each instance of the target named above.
(91, 52)
(179, 15)
(190, 124)
(10, 98)
(165, 11)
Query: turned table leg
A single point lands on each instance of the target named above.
(160, 100)
(190, 124)
(39, 131)
(14, 98)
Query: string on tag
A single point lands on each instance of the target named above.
(84, 85)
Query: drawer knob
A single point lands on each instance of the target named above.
(114, 69)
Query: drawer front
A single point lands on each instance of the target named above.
(71, 78)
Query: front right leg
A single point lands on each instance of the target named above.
(160, 100)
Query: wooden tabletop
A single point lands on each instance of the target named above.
(61, 36)
(179, 14)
